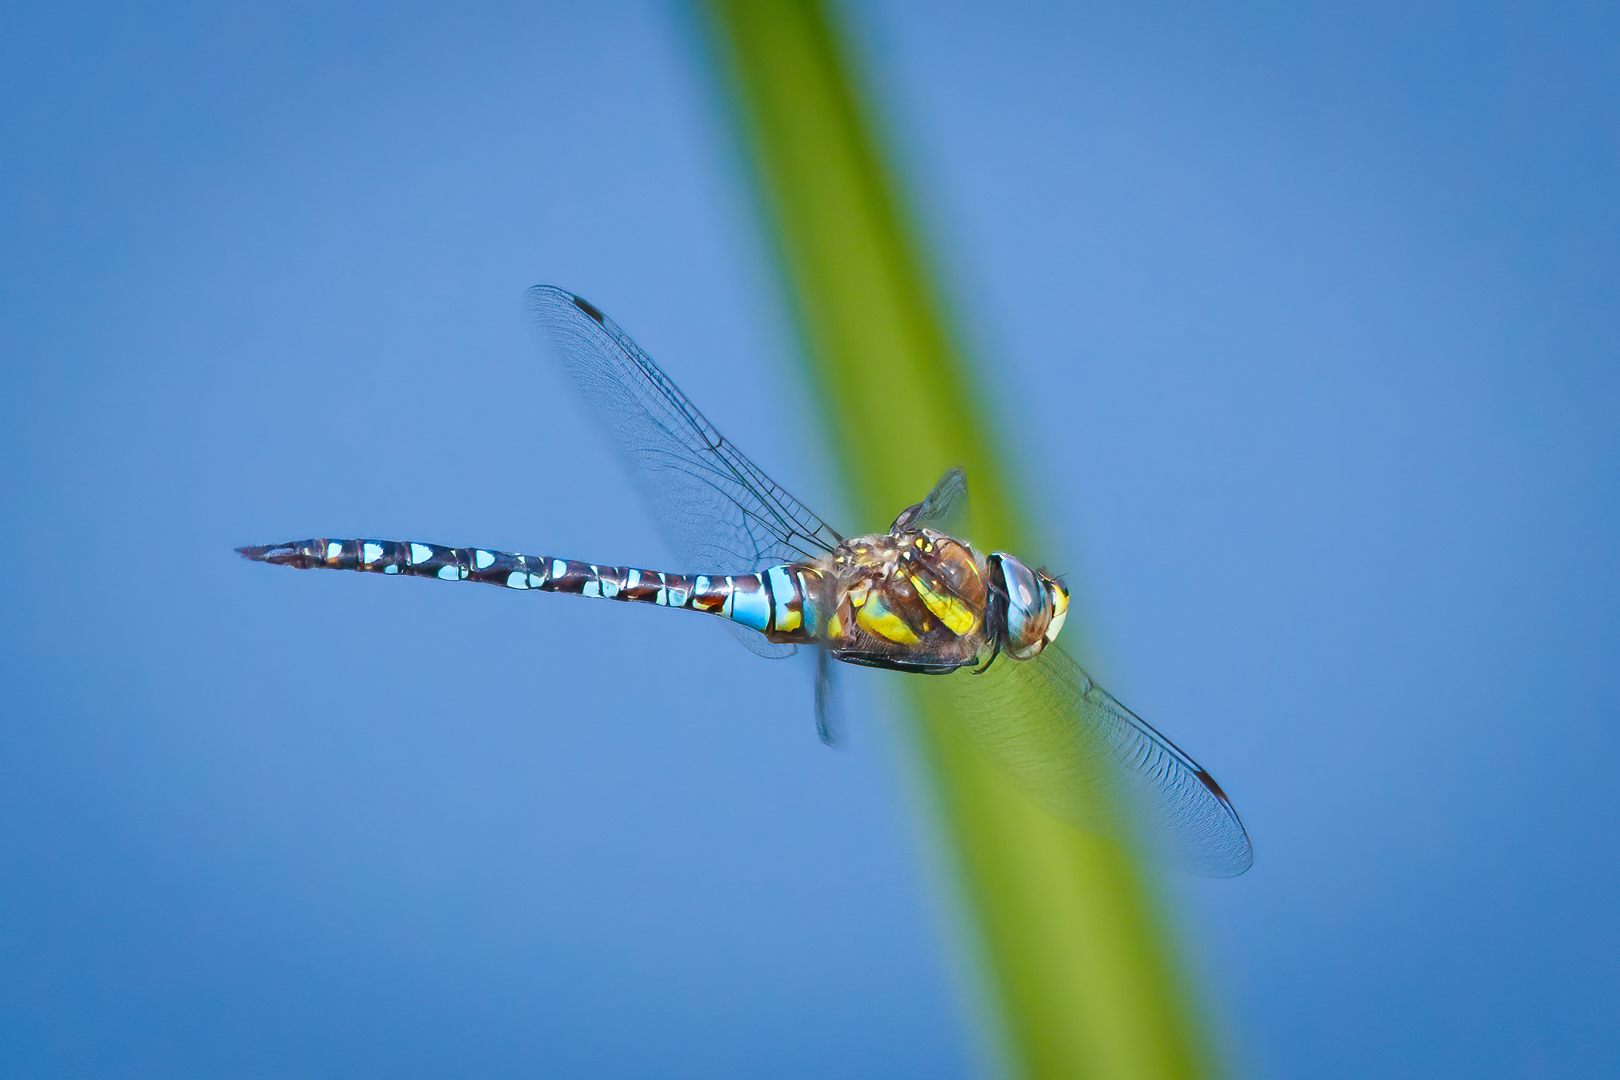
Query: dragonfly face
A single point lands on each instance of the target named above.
(1033, 605)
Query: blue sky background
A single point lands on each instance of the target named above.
(1302, 322)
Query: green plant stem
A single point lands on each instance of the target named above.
(1081, 979)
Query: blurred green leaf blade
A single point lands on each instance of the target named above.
(1070, 935)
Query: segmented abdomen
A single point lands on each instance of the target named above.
(774, 603)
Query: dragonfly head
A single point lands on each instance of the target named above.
(1033, 603)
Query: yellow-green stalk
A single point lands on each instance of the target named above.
(1081, 979)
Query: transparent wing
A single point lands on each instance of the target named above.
(829, 722)
(720, 511)
(945, 508)
(1091, 761)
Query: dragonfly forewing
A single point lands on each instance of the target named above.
(718, 509)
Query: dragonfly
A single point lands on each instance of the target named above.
(918, 599)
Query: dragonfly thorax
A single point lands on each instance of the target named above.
(914, 599)
(920, 600)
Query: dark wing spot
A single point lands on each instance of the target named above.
(588, 308)
(1209, 782)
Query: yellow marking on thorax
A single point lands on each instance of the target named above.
(948, 609)
(876, 618)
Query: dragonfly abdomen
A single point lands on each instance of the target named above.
(772, 603)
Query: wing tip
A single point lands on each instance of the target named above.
(1241, 865)
(545, 298)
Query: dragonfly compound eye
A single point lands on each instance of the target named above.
(1030, 607)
